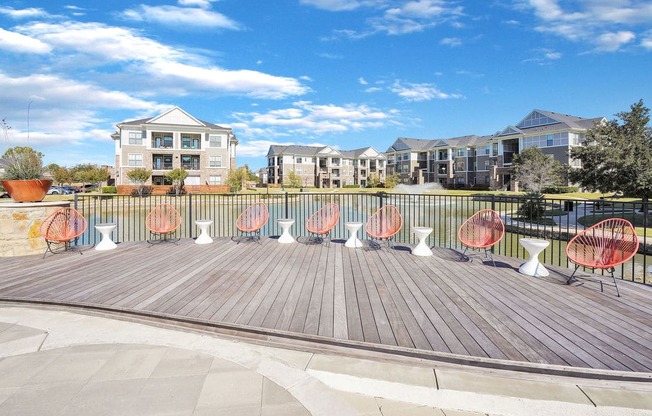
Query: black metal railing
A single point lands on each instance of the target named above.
(444, 213)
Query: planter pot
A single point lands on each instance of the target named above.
(27, 190)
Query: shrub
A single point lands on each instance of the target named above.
(109, 190)
(533, 206)
(142, 191)
(559, 189)
(351, 186)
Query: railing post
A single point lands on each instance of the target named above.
(190, 215)
(381, 194)
(493, 202)
(74, 198)
(287, 205)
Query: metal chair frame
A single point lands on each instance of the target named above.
(604, 245)
(322, 222)
(482, 230)
(384, 224)
(62, 227)
(252, 220)
(163, 220)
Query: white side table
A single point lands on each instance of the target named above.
(203, 237)
(532, 267)
(106, 243)
(353, 241)
(285, 224)
(422, 249)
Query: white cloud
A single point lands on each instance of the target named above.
(204, 4)
(307, 119)
(333, 5)
(607, 25)
(63, 111)
(646, 41)
(610, 42)
(362, 81)
(171, 68)
(23, 13)
(451, 41)
(16, 42)
(419, 92)
(180, 17)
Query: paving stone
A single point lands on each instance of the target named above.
(235, 388)
(131, 363)
(178, 362)
(39, 400)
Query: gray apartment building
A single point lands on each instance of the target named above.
(174, 139)
(486, 160)
(324, 166)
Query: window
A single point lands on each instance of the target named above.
(460, 152)
(548, 140)
(299, 160)
(486, 165)
(190, 162)
(215, 140)
(215, 162)
(135, 159)
(136, 137)
(161, 162)
(215, 180)
(270, 161)
(536, 119)
(162, 141)
(190, 141)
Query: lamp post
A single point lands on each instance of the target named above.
(28, 108)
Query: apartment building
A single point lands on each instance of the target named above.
(486, 160)
(324, 166)
(174, 139)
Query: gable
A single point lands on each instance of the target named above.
(176, 116)
(369, 152)
(536, 118)
(329, 151)
(510, 130)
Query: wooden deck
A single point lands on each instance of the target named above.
(437, 307)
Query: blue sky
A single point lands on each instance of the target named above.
(344, 73)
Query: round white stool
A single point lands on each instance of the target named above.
(422, 249)
(532, 267)
(106, 243)
(285, 224)
(203, 237)
(353, 241)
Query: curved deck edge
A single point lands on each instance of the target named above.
(326, 345)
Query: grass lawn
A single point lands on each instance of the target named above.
(635, 219)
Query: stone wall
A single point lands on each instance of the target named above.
(19, 226)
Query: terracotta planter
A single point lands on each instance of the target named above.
(27, 190)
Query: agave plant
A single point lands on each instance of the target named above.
(22, 162)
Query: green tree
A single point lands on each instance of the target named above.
(140, 176)
(536, 170)
(373, 180)
(392, 180)
(177, 176)
(616, 156)
(292, 180)
(61, 175)
(236, 178)
(251, 176)
(89, 173)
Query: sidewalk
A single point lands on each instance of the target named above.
(64, 363)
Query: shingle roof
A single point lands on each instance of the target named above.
(294, 150)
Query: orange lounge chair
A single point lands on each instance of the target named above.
(322, 221)
(162, 221)
(385, 223)
(482, 230)
(604, 245)
(62, 227)
(252, 219)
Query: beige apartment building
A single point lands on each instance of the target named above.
(324, 166)
(485, 161)
(174, 139)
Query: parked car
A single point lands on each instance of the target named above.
(58, 190)
(71, 189)
(89, 187)
(4, 194)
